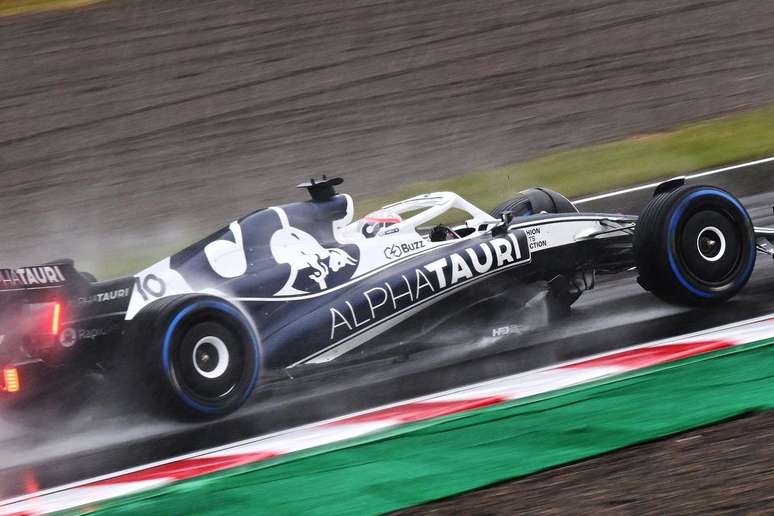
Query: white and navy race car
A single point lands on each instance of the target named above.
(305, 284)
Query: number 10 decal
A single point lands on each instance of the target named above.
(150, 287)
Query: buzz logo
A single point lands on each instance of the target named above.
(398, 250)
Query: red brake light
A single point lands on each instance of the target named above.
(55, 319)
(11, 380)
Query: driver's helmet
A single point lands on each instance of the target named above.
(374, 222)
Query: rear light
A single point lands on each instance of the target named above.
(56, 318)
(31, 484)
(11, 380)
(41, 319)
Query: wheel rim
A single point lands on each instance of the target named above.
(209, 362)
(189, 327)
(210, 357)
(711, 247)
(711, 244)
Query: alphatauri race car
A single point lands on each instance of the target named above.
(306, 284)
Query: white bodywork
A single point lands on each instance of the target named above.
(391, 245)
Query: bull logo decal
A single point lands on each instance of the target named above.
(310, 263)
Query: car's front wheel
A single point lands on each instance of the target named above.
(694, 246)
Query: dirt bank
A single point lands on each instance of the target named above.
(136, 122)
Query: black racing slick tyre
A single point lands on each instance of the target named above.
(694, 246)
(200, 355)
(534, 201)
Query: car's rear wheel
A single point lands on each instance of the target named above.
(201, 355)
(694, 246)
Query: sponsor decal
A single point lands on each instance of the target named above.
(31, 276)
(101, 297)
(410, 288)
(378, 220)
(68, 337)
(536, 239)
(398, 250)
(91, 333)
(502, 331)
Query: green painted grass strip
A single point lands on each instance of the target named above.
(598, 168)
(18, 7)
(435, 459)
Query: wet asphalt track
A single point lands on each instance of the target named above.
(70, 441)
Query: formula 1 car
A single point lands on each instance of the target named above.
(304, 283)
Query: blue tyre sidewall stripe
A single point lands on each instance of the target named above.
(672, 233)
(167, 344)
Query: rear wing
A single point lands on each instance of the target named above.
(39, 283)
(39, 277)
(33, 304)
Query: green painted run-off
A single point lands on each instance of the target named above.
(425, 461)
